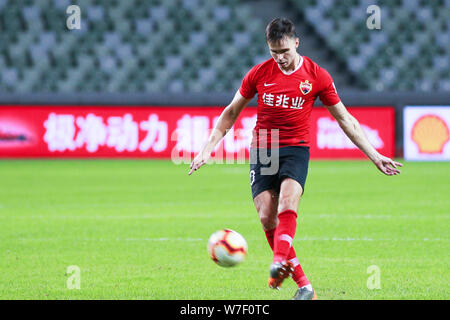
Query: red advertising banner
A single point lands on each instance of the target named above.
(165, 132)
(328, 141)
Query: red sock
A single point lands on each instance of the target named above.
(269, 235)
(284, 234)
(298, 276)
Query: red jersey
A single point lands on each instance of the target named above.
(285, 101)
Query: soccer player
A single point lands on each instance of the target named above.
(287, 86)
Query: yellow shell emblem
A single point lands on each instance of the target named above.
(430, 133)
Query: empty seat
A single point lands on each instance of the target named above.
(197, 45)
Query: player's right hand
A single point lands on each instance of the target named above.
(199, 161)
(388, 166)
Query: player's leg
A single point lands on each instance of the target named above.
(265, 198)
(292, 191)
(290, 194)
(292, 176)
(282, 266)
(293, 171)
(264, 195)
(266, 204)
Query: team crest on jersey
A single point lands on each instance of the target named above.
(305, 86)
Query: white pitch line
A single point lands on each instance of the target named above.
(364, 239)
(109, 217)
(374, 216)
(179, 239)
(299, 239)
(161, 239)
(148, 215)
(125, 205)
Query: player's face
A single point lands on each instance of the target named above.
(284, 52)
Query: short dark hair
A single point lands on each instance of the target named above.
(278, 28)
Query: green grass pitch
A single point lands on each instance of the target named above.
(138, 229)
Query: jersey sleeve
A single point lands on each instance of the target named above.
(248, 86)
(328, 94)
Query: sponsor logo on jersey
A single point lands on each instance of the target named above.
(305, 87)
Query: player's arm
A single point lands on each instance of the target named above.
(224, 123)
(353, 130)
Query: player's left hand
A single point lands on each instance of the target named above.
(386, 165)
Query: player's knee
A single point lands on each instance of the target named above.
(266, 206)
(287, 203)
(268, 217)
(290, 195)
(268, 222)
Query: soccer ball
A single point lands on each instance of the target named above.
(227, 248)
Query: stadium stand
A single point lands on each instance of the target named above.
(195, 46)
(411, 51)
(127, 46)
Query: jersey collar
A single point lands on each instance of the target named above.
(291, 72)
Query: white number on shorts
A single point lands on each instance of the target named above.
(252, 177)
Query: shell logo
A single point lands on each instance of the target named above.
(430, 133)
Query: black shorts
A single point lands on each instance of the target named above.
(265, 174)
